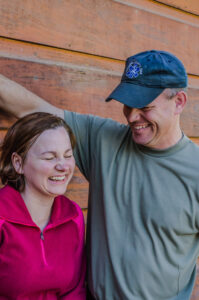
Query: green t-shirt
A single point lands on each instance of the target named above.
(143, 218)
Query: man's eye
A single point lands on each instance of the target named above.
(146, 108)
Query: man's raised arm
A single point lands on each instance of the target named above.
(18, 101)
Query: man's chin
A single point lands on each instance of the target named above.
(141, 141)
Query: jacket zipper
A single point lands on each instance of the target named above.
(42, 235)
(42, 248)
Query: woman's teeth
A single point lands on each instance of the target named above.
(57, 178)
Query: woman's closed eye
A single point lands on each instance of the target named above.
(49, 157)
(68, 155)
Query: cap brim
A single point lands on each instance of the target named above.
(134, 95)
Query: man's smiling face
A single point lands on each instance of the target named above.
(155, 125)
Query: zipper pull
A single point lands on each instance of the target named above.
(42, 236)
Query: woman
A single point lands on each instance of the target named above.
(41, 231)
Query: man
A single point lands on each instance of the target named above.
(143, 217)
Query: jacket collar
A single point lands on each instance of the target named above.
(13, 209)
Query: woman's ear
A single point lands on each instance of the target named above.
(180, 100)
(17, 162)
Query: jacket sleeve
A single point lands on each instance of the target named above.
(79, 291)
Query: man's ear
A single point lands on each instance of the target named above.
(180, 101)
(17, 162)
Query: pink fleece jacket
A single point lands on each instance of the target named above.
(36, 265)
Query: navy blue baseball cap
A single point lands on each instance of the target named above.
(146, 75)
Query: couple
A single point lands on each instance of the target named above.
(143, 217)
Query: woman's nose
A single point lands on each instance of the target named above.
(62, 165)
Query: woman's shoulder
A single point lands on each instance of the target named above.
(7, 190)
(9, 198)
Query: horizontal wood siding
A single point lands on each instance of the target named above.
(113, 29)
(191, 6)
(72, 53)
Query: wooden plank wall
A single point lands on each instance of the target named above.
(72, 53)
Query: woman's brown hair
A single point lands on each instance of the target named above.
(20, 137)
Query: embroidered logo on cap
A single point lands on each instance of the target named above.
(133, 70)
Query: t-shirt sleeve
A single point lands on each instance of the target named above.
(92, 133)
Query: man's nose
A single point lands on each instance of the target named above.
(133, 115)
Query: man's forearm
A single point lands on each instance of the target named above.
(18, 101)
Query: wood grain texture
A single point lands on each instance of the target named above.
(195, 140)
(78, 189)
(20, 50)
(115, 29)
(195, 294)
(191, 6)
(189, 117)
